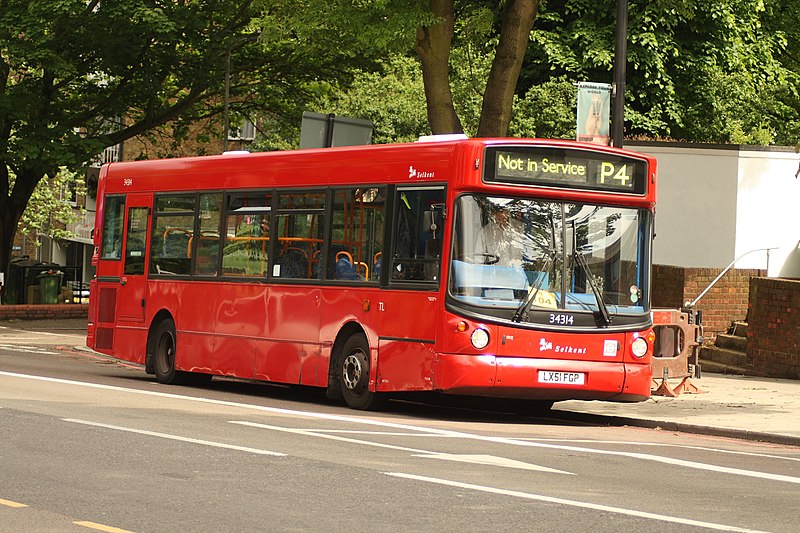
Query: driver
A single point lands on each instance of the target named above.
(503, 237)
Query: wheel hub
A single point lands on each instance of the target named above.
(352, 370)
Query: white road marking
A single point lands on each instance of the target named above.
(492, 460)
(26, 349)
(573, 503)
(46, 333)
(176, 437)
(383, 433)
(666, 445)
(478, 459)
(407, 427)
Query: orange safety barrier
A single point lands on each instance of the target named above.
(679, 336)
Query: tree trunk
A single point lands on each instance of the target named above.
(11, 209)
(499, 96)
(433, 48)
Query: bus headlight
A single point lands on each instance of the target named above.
(480, 338)
(639, 347)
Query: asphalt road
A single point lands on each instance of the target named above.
(89, 443)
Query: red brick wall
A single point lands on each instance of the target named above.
(773, 339)
(43, 312)
(725, 302)
(27, 245)
(668, 286)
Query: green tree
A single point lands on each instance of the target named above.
(68, 66)
(700, 70)
(47, 211)
(392, 96)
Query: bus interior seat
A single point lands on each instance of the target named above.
(294, 263)
(344, 266)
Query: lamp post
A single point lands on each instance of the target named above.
(620, 63)
(225, 113)
(226, 110)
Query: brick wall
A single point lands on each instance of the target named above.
(27, 245)
(726, 302)
(773, 340)
(43, 312)
(668, 286)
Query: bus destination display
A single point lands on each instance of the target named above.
(568, 169)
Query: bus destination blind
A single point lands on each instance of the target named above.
(569, 169)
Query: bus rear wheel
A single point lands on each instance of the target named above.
(164, 353)
(354, 375)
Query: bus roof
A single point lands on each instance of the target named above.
(433, 159)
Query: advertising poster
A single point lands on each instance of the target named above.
(594, 112)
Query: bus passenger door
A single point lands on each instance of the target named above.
(133, 282)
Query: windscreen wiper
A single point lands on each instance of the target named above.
(533, 290)
(580, 259)
(522, 310)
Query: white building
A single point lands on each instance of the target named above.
(716, 203)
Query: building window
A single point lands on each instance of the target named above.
(246, 131)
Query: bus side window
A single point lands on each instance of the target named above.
(135, 242)
(357, 230)
(171, 240)
(299, 229)
(247, 234)
(418, 231)
(206, 262)
(113, 219)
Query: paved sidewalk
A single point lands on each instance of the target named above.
(751, 408)
(736, 406)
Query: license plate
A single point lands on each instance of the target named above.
(566, 378)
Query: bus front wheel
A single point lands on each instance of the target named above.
(354, 375)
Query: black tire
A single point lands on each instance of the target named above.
(354, 371)
(165, 346)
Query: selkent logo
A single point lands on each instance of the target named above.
(547, 346)
(414, 173)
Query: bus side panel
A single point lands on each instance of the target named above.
(191, 305)
(130, 343)
(405, 366)
(467, 374)
(406, 315)
(638, 379)
(292, 354)
(240, 323)
(401, 317)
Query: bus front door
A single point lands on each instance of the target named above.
(133, 283)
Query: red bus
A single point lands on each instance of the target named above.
(502, 268)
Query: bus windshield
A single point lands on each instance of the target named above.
(550, 262)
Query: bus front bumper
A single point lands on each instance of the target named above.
(545, 379)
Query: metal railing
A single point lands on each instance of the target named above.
(690, 305)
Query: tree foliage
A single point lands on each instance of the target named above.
(49, 209)
(699, 70)
(67, 67)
